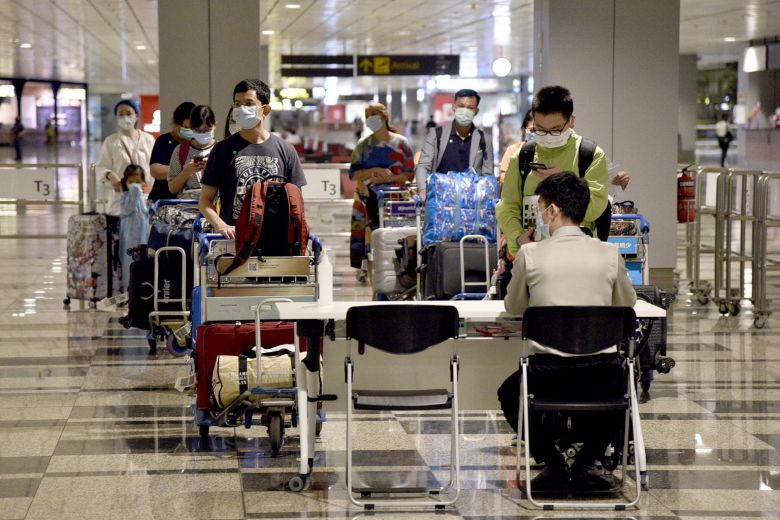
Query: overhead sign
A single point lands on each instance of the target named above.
(408, 65)
(315, 66)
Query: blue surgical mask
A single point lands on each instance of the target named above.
(186, 133)
(203, 138)
(541, 227)
(247, 117)
(374, 123)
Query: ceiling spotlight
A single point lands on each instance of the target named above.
(501, 67)
(140, 47)
(729, 39)
(292, 6)
(25, 45)
(267, 32)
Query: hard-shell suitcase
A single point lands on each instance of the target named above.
(94, 271)
(441, 269)
(384, 243)
(231, 339)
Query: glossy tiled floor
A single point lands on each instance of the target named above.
(91, 427)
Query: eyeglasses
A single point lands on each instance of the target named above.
(542, 131)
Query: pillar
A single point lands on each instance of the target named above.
(206, 47)
(686, 120)
(620, 59)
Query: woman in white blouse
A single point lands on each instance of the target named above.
(127, 146)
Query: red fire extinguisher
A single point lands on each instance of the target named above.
(686, 197)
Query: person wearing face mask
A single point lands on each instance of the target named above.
(458, 145)
(184, 176)
(384, 157)
(251, 155)
(163, 150)
(569, 268)
(127, 146)
(557, 148)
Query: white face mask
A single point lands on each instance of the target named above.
(374, 123)
(126, 122)
(464, 116)
(203, 138)
(554, 141)
(247, 117)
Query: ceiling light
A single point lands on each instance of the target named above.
(25, 45)
(292, 6)
(151, 62)
(268, 32)
(501, 67)
(404, 33)
(141, 47)
(729, 39)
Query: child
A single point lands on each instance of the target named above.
(134, 218)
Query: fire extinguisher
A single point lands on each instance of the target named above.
(686, 196)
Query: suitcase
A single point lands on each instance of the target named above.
(163, 234)
(231, 339)
(651, 342)
(384, 243)
(94, 271)
(440, 271)
(140, 290)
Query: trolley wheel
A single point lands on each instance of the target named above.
(759, 322)
(318, 429)
(296, 483)
(723, 308)
(275, 433)
(203, 430)
(735, 308)
(66, 303)
(93, 305)
(703, 299)
(173, 346)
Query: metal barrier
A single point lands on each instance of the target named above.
(38, 184)
(763, 257)
(695, 249)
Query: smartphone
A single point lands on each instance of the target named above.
(537, 166)
(202, 156)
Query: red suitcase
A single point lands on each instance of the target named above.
(230, 339)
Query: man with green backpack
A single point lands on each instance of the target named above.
(556, 148)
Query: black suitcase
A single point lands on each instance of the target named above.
(651, 343)
(440, 270)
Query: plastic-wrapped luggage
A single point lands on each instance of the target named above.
(94, 269)
(384, 243)
(460, 204)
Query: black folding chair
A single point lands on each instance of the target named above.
(582, 331)
(404, 329)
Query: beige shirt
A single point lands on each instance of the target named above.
(569, 268)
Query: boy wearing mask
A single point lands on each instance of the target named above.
(246, 157)
(557, 150)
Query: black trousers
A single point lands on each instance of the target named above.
(554, 377)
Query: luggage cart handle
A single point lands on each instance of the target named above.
(486, 245)
(183, 299)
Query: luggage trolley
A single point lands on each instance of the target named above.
(239, 297)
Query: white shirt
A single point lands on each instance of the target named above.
(117, 152)
(721, 128)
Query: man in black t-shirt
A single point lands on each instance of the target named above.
(244, 158)
(163, 148)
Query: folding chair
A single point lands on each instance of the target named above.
(404, 329)
(582, 331)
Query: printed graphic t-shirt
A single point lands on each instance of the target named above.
(236, 164)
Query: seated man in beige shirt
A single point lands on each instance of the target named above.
(568, 268)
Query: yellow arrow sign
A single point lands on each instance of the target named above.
(366, 64)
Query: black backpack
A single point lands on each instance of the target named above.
(585, 159)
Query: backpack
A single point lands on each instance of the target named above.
(584, 159)
(482, 145)
(272, 222)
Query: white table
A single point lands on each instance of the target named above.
(490, 310)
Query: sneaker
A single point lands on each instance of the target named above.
(553, 479)
(588, 480)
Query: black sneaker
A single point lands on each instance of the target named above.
(553, 479)
(588, 480)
